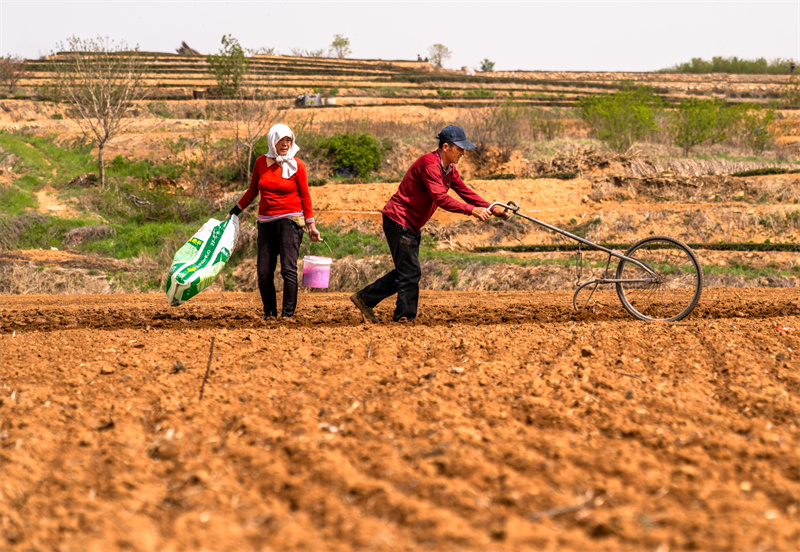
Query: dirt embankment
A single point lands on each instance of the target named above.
(607, 207)
(613, 199)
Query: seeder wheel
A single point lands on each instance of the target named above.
(675, 290)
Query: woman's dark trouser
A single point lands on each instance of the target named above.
(278, 238)
(404, 279)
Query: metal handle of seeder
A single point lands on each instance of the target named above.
(514, 208)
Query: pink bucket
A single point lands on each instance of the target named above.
(316, 271)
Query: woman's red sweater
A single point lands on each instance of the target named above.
(279, 196)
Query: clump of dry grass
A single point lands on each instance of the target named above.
(698, 223)
(89, 233)
(26, 278)
(611, 190)
(624, 224)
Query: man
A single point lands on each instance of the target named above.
(423, 189)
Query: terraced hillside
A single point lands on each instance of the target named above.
(355, 81)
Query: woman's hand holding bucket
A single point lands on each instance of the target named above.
(313, 233)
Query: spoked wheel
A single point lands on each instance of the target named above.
(674, 291)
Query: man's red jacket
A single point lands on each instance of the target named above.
(424, 188)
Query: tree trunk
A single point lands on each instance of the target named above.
(101, 148)
(249, 162)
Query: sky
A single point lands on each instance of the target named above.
(566, 35)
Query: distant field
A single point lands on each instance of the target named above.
(175, 76)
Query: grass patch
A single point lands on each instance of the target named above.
(136, 205)
(582, 228)
(15, 200)
(342, 241)
(624, 247)
(144, 170)
(133, 240)
(41, 162)
(461, 260)
(43, 158)
(766, 171)
(562, 175)
(35, 231)
(747, 271)
(479, 93)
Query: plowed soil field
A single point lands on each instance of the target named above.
(495, 421)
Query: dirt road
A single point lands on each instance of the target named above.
(496, 421)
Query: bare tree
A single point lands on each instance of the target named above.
(263, 51)
(12, 68)
(102, 80)
(251, 114)
(300, 52)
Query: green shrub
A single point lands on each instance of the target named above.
(696, 121)
(719, 64)
(352, 154)
(261, 147)
(160, 109)
(546, 124)
(479, 93)
(622, 118)
(442, 93)
(790, 92)
(454, 276)
(757, 124)
(229, 66)
(502, 176)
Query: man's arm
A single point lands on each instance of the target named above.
(470, 196)
(465, 192)
(432, 179)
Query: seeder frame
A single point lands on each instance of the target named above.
(658, 278)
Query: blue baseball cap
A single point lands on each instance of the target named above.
(456, 135)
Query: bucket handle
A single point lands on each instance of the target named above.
(310, 243)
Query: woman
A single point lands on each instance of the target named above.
(283, 211)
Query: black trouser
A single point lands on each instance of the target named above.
(404, 279)
(278, 238)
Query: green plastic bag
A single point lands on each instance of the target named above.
(197, 263)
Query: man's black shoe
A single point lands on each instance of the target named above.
(368, 313)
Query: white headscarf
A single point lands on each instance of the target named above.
(287, 162)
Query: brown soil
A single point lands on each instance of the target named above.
(496, 421)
